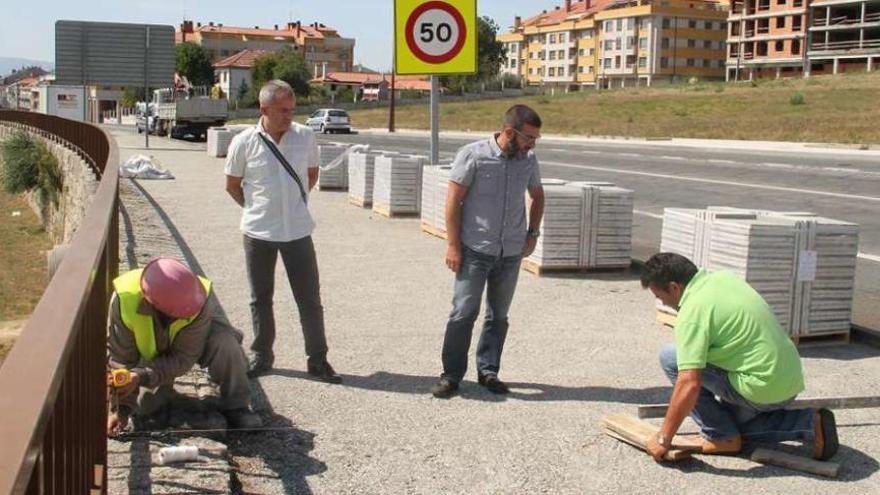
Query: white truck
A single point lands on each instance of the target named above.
(179, 113)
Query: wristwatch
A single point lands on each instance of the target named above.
(533, 233)
(662, 440)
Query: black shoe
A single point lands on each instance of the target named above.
(444, 389)
(323, 371)
(492, 383)
(826, 443)
(259, 366)
(243, 419)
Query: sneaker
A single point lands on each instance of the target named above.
(825, 444)
(492, 383)
(323, 371)
(444, 388)
(243, 419)
(722, 446)
(259, 366)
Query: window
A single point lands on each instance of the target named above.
(617, 62)
(561, 54)
(721, 64)
(707, 44)
(707, 25)
(798, 3)
(780, 22)
(552, 38)
(606, 63)
(552, 71)
(513, 63)
(590, 69)
(691, 62)
(609, 44)
(707, 63)
(552, 55)
(581, 69)
(617, 43)
(692, 43)
(591, 52)
(692, 24)
(795, 47)
(581, 52)
(643, 43)
(562, 37)
(664, 62)
(664, 43)
(619, 25)
(780, 45)
(629, 23)
(609, 26)
(780, 2)
(796, 23)
(666, 24)
(643, 62)
(630, 42)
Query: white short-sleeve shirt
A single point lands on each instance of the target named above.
(274, 209)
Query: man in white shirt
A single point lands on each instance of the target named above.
(270, 170)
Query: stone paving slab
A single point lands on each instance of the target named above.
(387, 293)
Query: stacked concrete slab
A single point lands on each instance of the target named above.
(398, 184)
(435, 189)
(586, 225)
(803, 265)
(335, 178)
(219, 139)
(361, 168)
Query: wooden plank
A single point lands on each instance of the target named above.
(796, 462)
(866, 402)
(387, 213)
(434, 231)
(539, 270)
(636, 432)
(665, 319)
(358, 201)
(823, 340)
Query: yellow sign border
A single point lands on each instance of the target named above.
(406, 63)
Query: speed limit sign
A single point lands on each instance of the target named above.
(435, 36)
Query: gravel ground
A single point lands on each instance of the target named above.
(578, 348)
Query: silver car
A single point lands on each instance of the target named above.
(326, 120)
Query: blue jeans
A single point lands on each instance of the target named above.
(721, 412)
(498, 274)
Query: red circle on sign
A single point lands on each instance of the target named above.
(410, 32)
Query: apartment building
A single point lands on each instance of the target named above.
(321, 45)
(766, 38)
(843, 36)
(618, 43)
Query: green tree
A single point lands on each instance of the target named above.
(193, 62)
(490, 56)
(287, 65)
(131, 96)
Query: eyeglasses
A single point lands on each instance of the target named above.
(528, 138)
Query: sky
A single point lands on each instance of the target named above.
(30, 32)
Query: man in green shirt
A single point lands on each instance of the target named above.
(733, 367)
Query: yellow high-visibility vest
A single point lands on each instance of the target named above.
(128, 291)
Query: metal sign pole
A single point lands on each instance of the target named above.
(147, 89)
(435, 120)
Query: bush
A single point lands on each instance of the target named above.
(797, 99)
(26, 165)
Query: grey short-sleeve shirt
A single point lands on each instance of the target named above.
(494, 211)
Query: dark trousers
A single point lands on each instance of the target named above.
(301, 265)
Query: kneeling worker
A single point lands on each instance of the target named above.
(733, 367)
(164, 319)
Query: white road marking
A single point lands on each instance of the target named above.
(714, 181)
(719, 160)
(666, 157)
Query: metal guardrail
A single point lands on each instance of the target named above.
(53, 396)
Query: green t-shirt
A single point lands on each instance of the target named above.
(724, 322)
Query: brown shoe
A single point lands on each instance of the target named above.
(825, 444)
(724, 446)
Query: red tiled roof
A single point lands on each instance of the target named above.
(364, 77)
(242, 60)
(285, 31)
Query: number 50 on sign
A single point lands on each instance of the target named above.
(435, 36)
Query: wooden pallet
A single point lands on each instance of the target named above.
(359, 202)
(823, 340)
(332, 188)
(385, 212)
(434, 231)
(532, 267)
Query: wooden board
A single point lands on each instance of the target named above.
(385, 212)
(631, 430)
(532, 267)
(665, 319)
(357, 201)
(796, 462)
(434, 231)
(866, 402)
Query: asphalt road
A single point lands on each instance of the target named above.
(839, 185)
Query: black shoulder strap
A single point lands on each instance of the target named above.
(285, 164)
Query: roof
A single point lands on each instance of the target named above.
(242, 60)
(367, 77)
(290, 31)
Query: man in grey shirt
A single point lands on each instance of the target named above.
(487, 238)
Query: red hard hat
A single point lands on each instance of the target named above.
(172, 288)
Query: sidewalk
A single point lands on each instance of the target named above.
(872, 150)
(578, 348)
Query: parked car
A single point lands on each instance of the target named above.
(326, 120)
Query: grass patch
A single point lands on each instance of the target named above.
(23, 264)
(841, 109)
